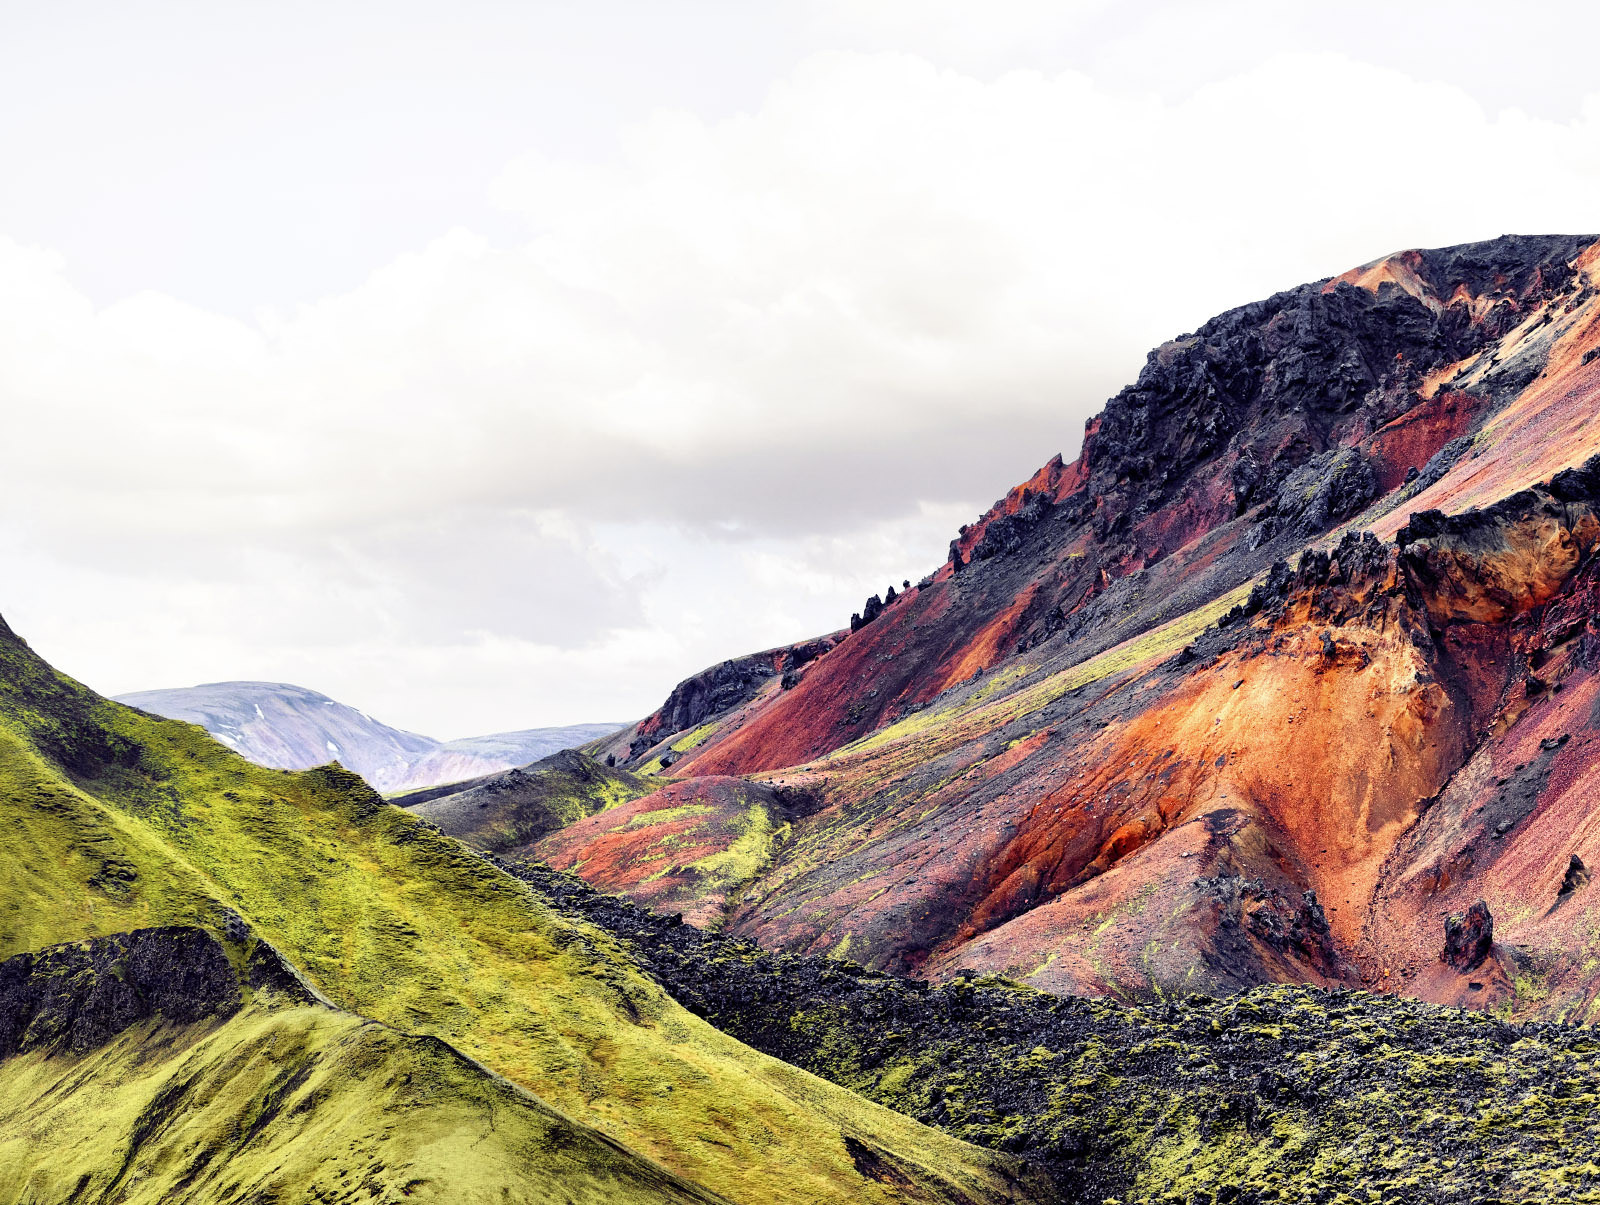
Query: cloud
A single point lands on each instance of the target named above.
(729, 380)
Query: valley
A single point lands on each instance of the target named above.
(1216, 824)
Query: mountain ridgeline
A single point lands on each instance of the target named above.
(288, 727)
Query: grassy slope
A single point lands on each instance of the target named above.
(397, 922)
(296, 1104)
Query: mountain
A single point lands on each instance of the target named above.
(1291, 669)
(222, 982)
(476, 756)
(289, 727)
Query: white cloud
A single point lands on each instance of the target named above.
(734, 378)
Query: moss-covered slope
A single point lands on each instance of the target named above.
(1284, 1093)
(116, 821)
(145, 1067)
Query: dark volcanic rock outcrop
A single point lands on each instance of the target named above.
(79, 996)
(1468, 937)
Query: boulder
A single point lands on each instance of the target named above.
(1468, 937)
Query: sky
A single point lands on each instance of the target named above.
(493, 365)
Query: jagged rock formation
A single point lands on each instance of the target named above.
(289, 727)
(1299, 635)
(1577, 877)
(1468, 938)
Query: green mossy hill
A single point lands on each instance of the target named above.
(1279, 1094)
(143, 1067)
(505, 813)
(117, 821)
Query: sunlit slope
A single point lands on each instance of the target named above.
(363, 1114)
(161, 1065)
(117, 820)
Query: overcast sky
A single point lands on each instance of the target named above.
(491, 365)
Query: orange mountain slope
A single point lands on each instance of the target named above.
(1295, 660)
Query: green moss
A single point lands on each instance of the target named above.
(695, 739)
(295, 1104)
(687, 811)
(117, 820)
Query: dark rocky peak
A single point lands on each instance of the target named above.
(722, 687)
(1511, 267)
(1268, 400)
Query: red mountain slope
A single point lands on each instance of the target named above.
(1118, 743)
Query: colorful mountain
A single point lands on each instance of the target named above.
(1291, 666)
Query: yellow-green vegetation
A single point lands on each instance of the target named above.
(693, 740)
(1284, 1093)
(688, 811)
(296, 1104)
(993, 705)
(117, 820)
(742, 831)
(730, 869)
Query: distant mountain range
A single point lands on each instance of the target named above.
(288, 727)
